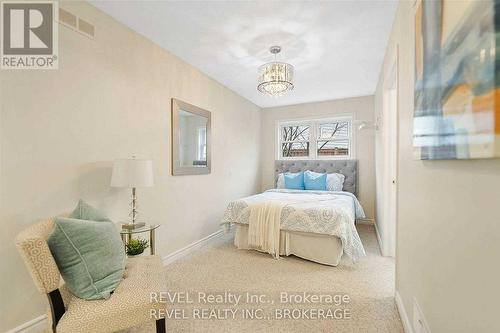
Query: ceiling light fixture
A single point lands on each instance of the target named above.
(275, 78)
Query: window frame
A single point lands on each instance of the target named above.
(281, 141)
(313, 124)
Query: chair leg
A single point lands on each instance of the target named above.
(160, 326)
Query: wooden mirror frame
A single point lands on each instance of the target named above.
(177, 168)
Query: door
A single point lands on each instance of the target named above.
(390, 182)
(386, 160)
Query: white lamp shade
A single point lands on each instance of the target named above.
(132, 173)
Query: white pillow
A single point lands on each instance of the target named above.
(281, 181)
(335, 182)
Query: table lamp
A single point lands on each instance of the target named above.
(132, 173)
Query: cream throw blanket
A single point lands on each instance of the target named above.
(264, 227)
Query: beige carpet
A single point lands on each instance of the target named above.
(220, 267)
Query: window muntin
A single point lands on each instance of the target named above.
(319, 139)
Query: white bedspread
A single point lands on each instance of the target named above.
(322, 212)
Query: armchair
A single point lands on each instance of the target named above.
(129, 305)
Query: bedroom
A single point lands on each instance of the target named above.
(131, 78)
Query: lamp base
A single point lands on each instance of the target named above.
(132, 226)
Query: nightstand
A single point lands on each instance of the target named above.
(126, 234)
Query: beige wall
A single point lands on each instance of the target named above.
(360, 107)
(60, 131)
(448, 232)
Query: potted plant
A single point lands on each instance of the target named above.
(136, 246)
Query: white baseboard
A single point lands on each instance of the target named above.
(190, 248)
(39, 324)
(379, 239)
(403, 314)
(36, 325)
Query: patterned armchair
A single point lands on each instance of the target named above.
(129, 305)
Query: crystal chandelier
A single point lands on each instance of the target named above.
(275, 78)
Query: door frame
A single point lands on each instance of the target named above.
(390, 111)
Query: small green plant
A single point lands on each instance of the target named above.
(136, 246)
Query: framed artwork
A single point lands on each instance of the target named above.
(457, 70)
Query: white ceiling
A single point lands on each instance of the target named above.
(337, 47)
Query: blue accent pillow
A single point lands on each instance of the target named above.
(84, 211)
(89, 255)
(294, 181)
(315, 181)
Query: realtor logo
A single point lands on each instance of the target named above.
(29, 35)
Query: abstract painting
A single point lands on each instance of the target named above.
(457, 71)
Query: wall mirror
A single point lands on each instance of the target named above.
(190, 139)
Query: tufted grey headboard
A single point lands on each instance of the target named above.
(349, 168)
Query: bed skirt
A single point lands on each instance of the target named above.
(323, 249)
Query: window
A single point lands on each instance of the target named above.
(295, 140)
(202, 144)
(333, 139)
(316, 139)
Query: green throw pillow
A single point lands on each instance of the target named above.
(89, 255)
(84, 211)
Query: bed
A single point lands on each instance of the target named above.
(314, 225)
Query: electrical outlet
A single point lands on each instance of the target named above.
(419, 323)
